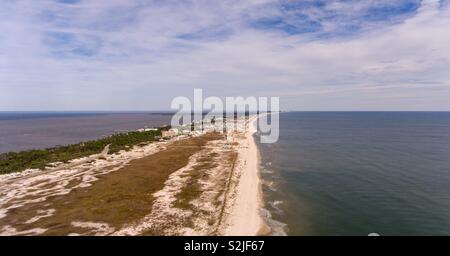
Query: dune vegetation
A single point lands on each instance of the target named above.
(41, 158)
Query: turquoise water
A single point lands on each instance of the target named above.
(355, 173)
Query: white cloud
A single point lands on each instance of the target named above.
(145, 54)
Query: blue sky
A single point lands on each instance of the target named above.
(138, 55)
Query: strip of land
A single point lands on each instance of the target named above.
(245, 218)
(207, 184)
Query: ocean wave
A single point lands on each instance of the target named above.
(270, 185)
(266, 171)
(275, 205)
(277, 228)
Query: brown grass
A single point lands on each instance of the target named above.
(117, 198)
(192, 188)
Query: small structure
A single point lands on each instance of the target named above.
(147, 129)
(185, 132)
(168, 134)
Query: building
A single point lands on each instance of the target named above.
(169, 134)
(147, 129)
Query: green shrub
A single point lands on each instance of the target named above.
(39, 159)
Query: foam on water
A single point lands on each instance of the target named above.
(276, 206)
(277, 228)
(355, 173)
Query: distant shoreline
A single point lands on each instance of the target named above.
(22, 132)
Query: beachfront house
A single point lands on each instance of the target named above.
(147, 129)
(169, 134)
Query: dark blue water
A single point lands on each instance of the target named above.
(37, 130)
(357, 173)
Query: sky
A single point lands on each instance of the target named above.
(139, 55)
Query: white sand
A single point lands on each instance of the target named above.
(31, 186)
(242, 212)
(245, 218)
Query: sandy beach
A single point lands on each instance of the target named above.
(203, 185)
(245, 218)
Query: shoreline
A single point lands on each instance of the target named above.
(229, 191)
(245, 218)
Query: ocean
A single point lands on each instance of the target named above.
(330, 173)
(37, 130)
(359, 173)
